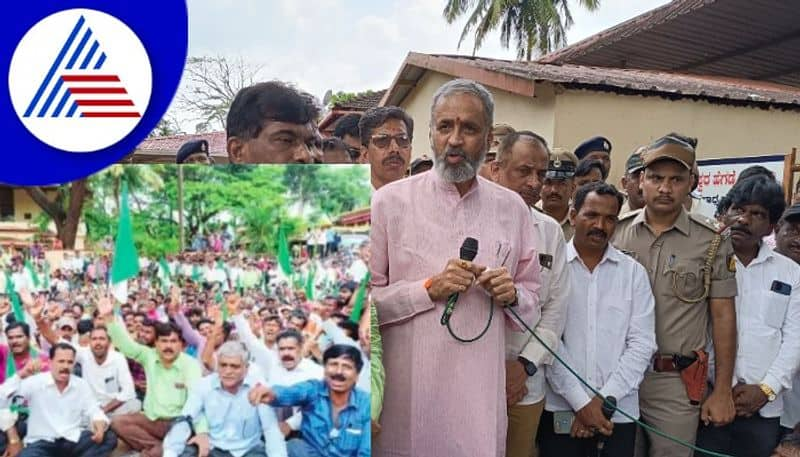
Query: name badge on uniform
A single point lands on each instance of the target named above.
(180, 385)
(781, 288)
(546, 261)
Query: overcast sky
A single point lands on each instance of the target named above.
(352, 45)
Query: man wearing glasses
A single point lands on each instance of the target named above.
(386, 134)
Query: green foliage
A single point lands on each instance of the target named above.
(534, 25)
(345, 97)
(255, 199)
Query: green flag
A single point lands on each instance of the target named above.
(164, 275)
(32, 272)
(126, 261)
(310, 282)
(358, 304)
(284, 259)
(16, 305)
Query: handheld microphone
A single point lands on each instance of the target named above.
(468, 251)
(608, 408)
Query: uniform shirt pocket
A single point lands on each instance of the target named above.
(685, 278)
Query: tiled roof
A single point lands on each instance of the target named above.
(361, 102)
(216, 142)
(628, 81)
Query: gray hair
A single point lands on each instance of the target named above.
(233, 349)
(467, 86)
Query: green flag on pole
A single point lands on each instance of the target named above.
(358, 304)
(16, 305)
(126, 261)
(284, 259)
(310, 283)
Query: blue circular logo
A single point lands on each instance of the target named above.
(87, 82)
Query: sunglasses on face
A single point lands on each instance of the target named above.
(383, 141)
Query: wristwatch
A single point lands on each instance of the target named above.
(530, 368)
(768, 391)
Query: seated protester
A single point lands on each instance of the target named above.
(26, 362)
(768, 323)
(273, 122)
(235, 426)
(609, 337)
(169, 373)
(336, 417)
(107, 373)
(58, 400)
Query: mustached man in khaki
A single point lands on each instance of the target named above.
(692, 274)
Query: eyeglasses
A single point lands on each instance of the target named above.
(383, 141)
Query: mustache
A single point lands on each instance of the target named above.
(394, 158)
(64, 371)
(338, 377)
(455, 152)
(597, 232)
(287, 358)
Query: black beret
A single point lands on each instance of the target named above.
(191, 147)
(597, 143)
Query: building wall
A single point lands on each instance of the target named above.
(631, 121)
(23, 204)
(535, 114)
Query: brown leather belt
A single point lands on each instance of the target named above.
(664, 363)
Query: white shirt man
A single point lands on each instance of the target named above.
(54, 422)
(552, 294)
(110, 380)
(768, 337)
(609, 337)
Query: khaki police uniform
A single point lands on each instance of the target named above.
(675, 262)
(568, 229)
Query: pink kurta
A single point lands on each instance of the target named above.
(444, 398)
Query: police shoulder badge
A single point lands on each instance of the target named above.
(546, 261)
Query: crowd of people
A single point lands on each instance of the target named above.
(214, 352)
(654, 313)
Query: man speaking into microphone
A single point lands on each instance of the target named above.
(444, 396)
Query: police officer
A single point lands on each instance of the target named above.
(630, 183)
(692, 273)
(596, 148)
(559, 185)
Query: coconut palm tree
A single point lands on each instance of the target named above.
(534, 25)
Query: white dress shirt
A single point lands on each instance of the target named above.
(768, 325)
(610, 334)
(110, 381)
(53, 414)
(553, 293)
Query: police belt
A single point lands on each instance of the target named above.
(671, 362)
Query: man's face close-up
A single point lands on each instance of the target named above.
(388, 151)
(460, 136)
(277, 142)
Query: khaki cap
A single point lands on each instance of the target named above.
(672, 149)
